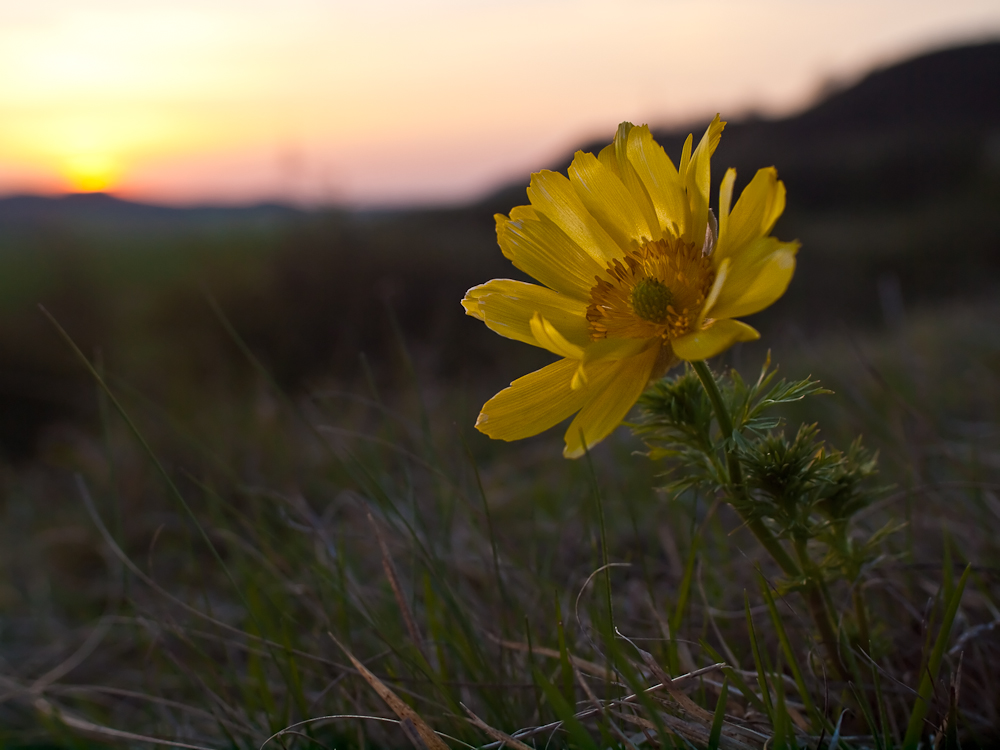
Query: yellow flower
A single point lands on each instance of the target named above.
(636, 274)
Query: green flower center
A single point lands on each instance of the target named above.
(651, 299)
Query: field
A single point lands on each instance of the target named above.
(244, 503)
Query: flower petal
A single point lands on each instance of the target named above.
(534, 244)
(685, 156)
(608, 200)
(714, 339)
(533, 403)
(507, 307)
(756, 278)
(697, 177)
(549, 338)
(616, 348)
(610, 405)
(605, 350)
(552, 194)
(542, 399)
(726, 200)
(660, 179)
(721, 274)
(615, 157)
(759, 206)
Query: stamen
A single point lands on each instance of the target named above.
(651, 300)
(655, 290)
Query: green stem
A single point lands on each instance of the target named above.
(818, 607)
(737, 488)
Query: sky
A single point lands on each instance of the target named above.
(404, 102)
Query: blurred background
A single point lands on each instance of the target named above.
(246, 213)
(327, 172)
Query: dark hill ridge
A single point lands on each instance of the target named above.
(925, 126)
(952, 88)
(913, 131)
(103, 211)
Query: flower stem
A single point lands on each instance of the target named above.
(813, 593)
(737, 489)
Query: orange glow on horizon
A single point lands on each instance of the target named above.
(91, 173)
(396, 102)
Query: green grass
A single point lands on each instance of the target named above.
(370, 522)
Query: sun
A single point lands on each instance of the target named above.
(91, 172)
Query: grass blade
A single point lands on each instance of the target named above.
(564, 712)
(914, 729)
(737, 679)
(416, 729)
(720, 716)
(835, 739)
(758, 663)
(786, 648)
(565, 669)
(882, 711)
(683, 593)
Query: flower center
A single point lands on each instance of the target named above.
(651, 299)
(656, 289)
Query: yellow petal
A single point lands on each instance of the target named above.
(612, 349)
(726, 200)
(721, 274)
(759, 206)
(609, 405)
(775, 207)
(549, 338)
(660, 179)
(685, 156)
(534, 244)
(756, 278)
(616, 348)
(532, 403)
(608, 200)
(697, 177)
(542, 399)
(627, 174)
(611, 155)
(714, 339)
(507, 307)
(608, 159)
(553, 195)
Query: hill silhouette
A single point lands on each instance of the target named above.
(922, 126)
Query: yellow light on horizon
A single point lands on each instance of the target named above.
(198, 99)
(93, 146)
(91, 173)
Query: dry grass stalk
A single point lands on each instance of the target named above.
(416, 729)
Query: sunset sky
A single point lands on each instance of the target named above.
(389, 102)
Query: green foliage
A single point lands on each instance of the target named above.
(803, 488)
(675, 419)
(798, 491)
